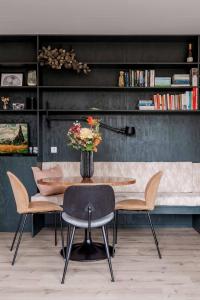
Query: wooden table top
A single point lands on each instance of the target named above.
(69, 181)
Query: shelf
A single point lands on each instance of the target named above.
(18, 87)
(113, 88)
(142, 64)
(17, 64)
(104, 111)
(23, 111)
(19, 154)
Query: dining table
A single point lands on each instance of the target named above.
(87, 250)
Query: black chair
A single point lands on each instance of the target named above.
(88, 207)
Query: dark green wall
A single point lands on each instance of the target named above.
(21, 166)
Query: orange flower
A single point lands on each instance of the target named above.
(91, 121)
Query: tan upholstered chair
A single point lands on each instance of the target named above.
(145, 205)
(25, 208)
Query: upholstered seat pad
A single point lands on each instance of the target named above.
(132, 204)
(42, 206)
(84, 224)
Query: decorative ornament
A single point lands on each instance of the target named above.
(5, 101)
(59, 58)
(121, 79)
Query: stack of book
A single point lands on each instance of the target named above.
(146, 105)
(185, 101)
(139, 78)
(180, 80)
(162, 81)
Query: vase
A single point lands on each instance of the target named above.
(87, 164)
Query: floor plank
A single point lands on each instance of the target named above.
(138, 271)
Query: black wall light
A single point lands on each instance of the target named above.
(128, 130)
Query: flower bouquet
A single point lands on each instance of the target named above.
(85, 139)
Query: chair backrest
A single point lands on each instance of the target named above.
(20, 193)
(98, 199)
(152, 189)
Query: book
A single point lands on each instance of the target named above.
(152, 78)
(195, 98)
(162, 81)
(150, 107)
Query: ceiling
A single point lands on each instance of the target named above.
(100, 16)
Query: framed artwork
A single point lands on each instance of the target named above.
(14, 138)
(11, 79)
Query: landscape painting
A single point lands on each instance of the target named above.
(14, 138)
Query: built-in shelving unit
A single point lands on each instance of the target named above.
(63, 92)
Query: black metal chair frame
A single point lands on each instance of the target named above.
(71, 234)
(147, 213)
(21, 226)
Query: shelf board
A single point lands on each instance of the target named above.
(18, 87)
(19, 154)
(17, 64)
(142, 64)
(114, 88)
(23, 111)
(104, 111)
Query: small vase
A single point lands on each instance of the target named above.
(87, 164)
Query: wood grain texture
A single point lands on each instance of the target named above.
(96, 180)
(138, 271)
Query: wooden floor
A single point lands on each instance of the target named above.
(138, 271)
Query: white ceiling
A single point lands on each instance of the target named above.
(100, 16)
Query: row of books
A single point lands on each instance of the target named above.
(139, 78)
(147, 78)
(185, 101)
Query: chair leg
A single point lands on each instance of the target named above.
(107, 253)
(68, 234)
(114, 237)
(116, 225)
(55, 222)
(19, 240)
(17, 230)
(62, 236)
(68, 254)
(154, 235)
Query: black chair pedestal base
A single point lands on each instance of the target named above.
(88, 252)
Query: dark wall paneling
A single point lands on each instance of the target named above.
(21, 166)
(126, 49)
(85, 99)
(158, 138)
(18, 49)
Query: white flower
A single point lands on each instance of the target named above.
(86, 133)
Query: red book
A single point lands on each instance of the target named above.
(194, 99)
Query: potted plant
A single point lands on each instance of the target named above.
(85, 139)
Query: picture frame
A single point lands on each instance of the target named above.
(11, 79)
(14, 138)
